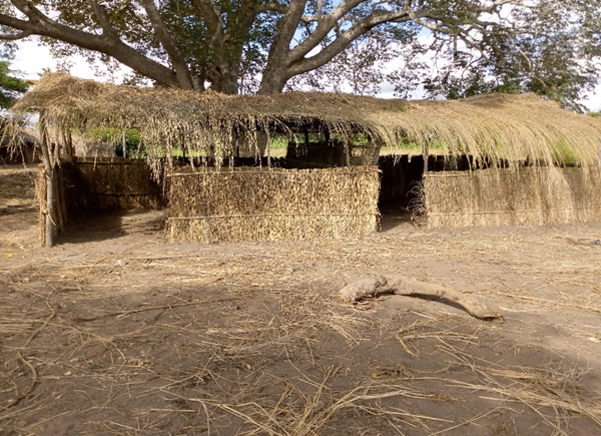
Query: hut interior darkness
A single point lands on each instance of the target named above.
(493, 147)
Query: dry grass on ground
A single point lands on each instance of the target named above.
(251, 339)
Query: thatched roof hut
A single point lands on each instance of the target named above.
(18, 146)
(496, 127)
(498, 130)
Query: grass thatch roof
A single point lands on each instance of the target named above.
(14, 139)
(495, 126)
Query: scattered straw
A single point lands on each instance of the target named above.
(555, 391)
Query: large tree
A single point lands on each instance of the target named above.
(263, 45)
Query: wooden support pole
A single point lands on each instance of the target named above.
(68, 145)
(306, 129)
(124, 145)
(61, 208)
(347, 152)
(347, 149)
(50, 212)
(183, 143)
(375, 157)
(425, 154)
(266, 127)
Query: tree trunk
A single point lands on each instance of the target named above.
(225, 79)
(273, 81)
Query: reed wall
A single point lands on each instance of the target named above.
(261, 204)
(517, 196)
(111, 184)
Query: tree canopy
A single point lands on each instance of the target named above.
(265, 46)
(10, 86)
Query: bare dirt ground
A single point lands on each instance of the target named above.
(117, 332)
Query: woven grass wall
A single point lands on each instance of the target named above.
(520, 196)
(261, 204)
(111, 184)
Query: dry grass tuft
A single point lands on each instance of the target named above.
(419, 330)
(300, 413)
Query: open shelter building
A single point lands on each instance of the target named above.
(488, 160)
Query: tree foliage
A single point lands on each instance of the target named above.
(559, 59)
(265, 45)
(10, 86)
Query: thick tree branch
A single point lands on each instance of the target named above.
(213, 21)
(24, 7)
(15, 23)
(368, 288)
(103, 19)
(326, 24)
(288, 25)
(273, 77)
(16, 36)
(302, 65)
(272, 7)
(211, 14)
(177, 60)
(39, 24)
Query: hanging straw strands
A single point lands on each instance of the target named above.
(493, 127)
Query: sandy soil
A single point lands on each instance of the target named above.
(117, 332)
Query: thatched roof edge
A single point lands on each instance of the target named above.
(497, 126)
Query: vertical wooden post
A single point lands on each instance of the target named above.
(307, 143)
(422, 194)
(183, 143)
(306, 129)
(425, 154)
(266, 127)
(68, 145)
(50, 212)
(124, 145)
(61, 208)
(347, 151)
(375, 157)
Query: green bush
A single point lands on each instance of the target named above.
(133, 144)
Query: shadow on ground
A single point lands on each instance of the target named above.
(102, 226)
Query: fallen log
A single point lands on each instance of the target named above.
(372, 287)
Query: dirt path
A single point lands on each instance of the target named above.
(117, 332)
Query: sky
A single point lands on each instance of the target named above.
(32, 59)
